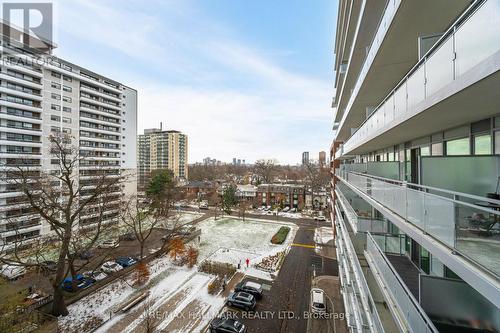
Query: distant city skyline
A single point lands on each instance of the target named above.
(259, 85)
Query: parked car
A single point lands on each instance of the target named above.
(12, 272)
(293, 210)
(318, 304)
(111, 267)
(95, 275)
(320, 218)
(226, 325)
(203, 205)
(241, 300)
(109, 244)
(125, 261)
(250, 287)
(286, 209)
(81, 283)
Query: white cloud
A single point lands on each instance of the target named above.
(278, 113)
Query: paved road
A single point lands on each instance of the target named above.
(283, 307)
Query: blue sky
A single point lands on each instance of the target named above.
(247, 79)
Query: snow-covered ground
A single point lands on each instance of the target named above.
(178, 299)
(296, 215)
(323, 235)
(178, 295)
(250, 236)
(231, 240)
(184, 217)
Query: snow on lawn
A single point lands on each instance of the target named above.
(247, 238)
(323, 235)
(105, 301)
(231, 240)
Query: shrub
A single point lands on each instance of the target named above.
(141, 274)
(177, 248)
(280, 236)
(217, 268)
(191, 256)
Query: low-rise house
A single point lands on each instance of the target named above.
(316, 200)
(284, 195)
(246, 193)
(199, 189)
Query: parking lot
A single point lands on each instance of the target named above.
(285, 306)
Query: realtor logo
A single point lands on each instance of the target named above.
(28, 23)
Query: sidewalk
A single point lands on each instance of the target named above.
(232, 283)
(327, 250)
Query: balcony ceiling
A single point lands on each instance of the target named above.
(476, 102)
(398, 52)
(370, 17)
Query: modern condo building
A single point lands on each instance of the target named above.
(41, 95)
(416, 164)
(159, 149)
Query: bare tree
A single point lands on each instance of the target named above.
(59, 198)
(140, 221)
(149, 316)
(266, 170)
(316, 178)
(215, 200)
(243, 207)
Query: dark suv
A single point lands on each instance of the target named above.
(226, 325)
(250, 287)
(241, 300)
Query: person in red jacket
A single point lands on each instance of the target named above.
(247, 261)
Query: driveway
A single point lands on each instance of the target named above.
(286, 300)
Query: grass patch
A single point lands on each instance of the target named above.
(280, 236)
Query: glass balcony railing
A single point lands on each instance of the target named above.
(359, 221)
(358, 300)
(472, 39)
(390, 10)
(466, 223)
(409, 308)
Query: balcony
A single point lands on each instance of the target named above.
(452, 218)
(358, 301)
(405, 307)
(467, 55)
(360, 219)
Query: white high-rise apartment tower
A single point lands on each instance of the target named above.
(41, 95)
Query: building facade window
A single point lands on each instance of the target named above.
(482, 144)
(497, 142)
(437, 149)
(458, 147)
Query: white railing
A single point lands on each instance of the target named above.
(409, 308)
(472, 39)
(355, 285)
(450, 217)
(383, 25)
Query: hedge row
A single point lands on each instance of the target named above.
(280, 236)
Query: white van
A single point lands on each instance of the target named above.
(318, 304)
(12, 272)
